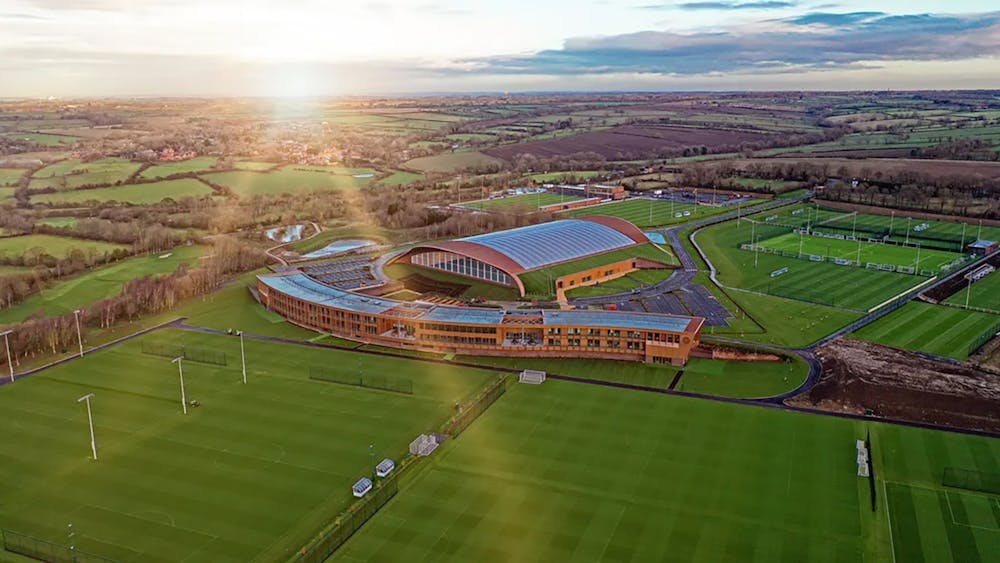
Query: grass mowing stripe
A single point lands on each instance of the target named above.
(960, 538)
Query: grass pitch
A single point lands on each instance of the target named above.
(251, 473)
(69, 174)
(652, 212)
(920, 259)
(520, 203)
(935, 329)
(984, 294)
(572, 472)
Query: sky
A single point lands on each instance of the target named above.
(303, 48)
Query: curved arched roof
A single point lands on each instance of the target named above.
(537, 246)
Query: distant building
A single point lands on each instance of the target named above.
(984, 247)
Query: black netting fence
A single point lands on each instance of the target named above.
(384, 382)
(44, 550)
(470, 411)
(984, 337)
(189, 353)
(971, 480)
(321, 547)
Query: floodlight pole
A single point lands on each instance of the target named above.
(980, 235)
(179, 360)
(907, 243)
(371, 452)
(90, 419)
(79, 334)
(918, 258)
(892, 219)
(10, 360)
(963, 235)
(243, 358)
(753, 241)
(854, 228)
(968, 291)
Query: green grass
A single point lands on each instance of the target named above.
(451, 162)
(251, 165)
(248, 184)
(932, 523)
(45, 139)
(935, 329)
(742, 379)
(542, 282)
(139, 194)
(777, 186)
(823, 283)
(61, 176)
(565, 176)
(255, 471)
(984, 294)
(657, 376)
(869, 252)
(400, 178)
(624, 284)
(59, 221)
(191, 165)
(80, 291)
(58, 247)
(10, 176)
(572, 472)
(520, 203)
(644, 212)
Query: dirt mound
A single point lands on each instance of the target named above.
(860, 376)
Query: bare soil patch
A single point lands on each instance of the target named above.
(858, 376)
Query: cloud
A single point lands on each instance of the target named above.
(810, 42)
(724, 5)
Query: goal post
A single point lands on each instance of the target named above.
(531, 376)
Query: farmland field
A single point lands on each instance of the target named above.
(573, 472)
(66, 295)
(59, 221)
(450, 162)
(10, 176)
(153, 192)
(69, 174)
(626, 143)
(248, 184)
(251, 165)
(520, 203)
(52, 245)
(984, 294)
(935, 329)
(645, 213)
(253, 472)
(180, 167)
(399, 178)
(46, 139)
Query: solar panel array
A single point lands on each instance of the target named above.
(536, 246)
(349, 273)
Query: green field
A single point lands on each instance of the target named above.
(984, 294)
(571, 472)
(46, 139)
(475, 288)
(868, 252)
(817, 282)
(254, 471)
(644, 212)
(634, 280)
(399, 178)
(541, 283)
(80, 291)
(69, 174)
(930, 522)
(58, 247)
(252, 165)
(249, 184)
(742, 379)
(574, 175)
(935, 329)
(59, 221)
(451, 162)
(191, 165)
(520, 203)
(10, 176)
(140, 194)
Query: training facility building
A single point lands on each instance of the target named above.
(500, 257)
(431, 327)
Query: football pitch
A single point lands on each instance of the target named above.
(648, 212)
(523, 203)
(867, 252)
(934, 329)
(572, 472)
(984, 294)
(250, 474)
